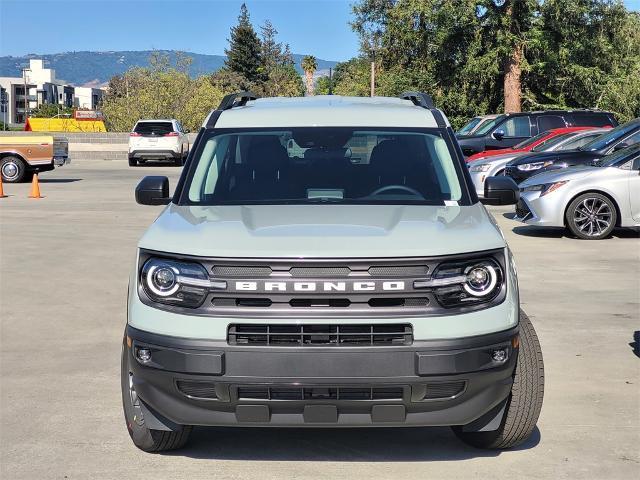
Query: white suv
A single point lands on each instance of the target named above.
(158, 140)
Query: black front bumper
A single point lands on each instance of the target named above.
(322, 386)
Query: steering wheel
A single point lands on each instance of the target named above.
(389, 188)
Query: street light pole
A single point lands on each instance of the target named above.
(26, 100)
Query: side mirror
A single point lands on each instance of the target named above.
(501, 191)
(498, 135)
(153, 190)
(620, 146)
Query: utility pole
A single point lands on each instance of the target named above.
(374, 45)
(26, 100)
(330, 81)
(373, 77)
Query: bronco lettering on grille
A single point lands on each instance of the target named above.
(364, 286)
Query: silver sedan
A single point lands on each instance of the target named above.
(494, 165)
(588, 200)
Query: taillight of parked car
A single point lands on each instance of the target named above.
(171, 134)
(134, 134)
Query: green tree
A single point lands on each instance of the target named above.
(309, 65)
(271, 49)
(483, 56)
(163, 90)
(50, 110)
(244, 52)
(283, 81)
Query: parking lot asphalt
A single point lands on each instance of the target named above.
(64, 265)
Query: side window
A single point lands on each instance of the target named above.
(636, 163)
(516, 127)
(590, 120)
(548, 122)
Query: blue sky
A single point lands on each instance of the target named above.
(312, 27)
(317, 27)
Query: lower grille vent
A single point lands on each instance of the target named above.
(444, 390)
(198, 389)
(522, 210)
(297, 393)
(314, 335)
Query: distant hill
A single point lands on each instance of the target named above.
(96, 68)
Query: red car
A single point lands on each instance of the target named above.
(529, 143)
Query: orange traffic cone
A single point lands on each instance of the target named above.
(35, 187)
(2, 195)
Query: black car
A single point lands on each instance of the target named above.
(623, 136)
(511, 128)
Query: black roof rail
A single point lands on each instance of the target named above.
(420, 99)
(237, 99)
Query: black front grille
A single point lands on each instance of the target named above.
(204, 390)
(522, 209)
(444, 390)
(509, 171)
(320, 392)
(320, 335)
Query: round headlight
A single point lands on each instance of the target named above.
(161, 280)
(481, 280)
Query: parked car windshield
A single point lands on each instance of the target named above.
(469, 126)
(530, 141)
(619, 158)
(324, 165)
(153, 128)
(551, 142)
(606, 139)
(484, 129)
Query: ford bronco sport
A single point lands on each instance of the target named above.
(325, 262)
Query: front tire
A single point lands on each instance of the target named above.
(12, 169)
(525, 402)
(591, 216)
(133, 162)
(143, 437)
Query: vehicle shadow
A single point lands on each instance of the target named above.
(159, 163)
(59, 180)
(335, 445)
(559, 232)
(635, 345)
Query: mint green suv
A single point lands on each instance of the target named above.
(325, 262)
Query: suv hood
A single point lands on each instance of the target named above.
(322, 231)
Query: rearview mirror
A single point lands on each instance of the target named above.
(153, 190)
(498, 135)
(620, 146)
(501, 191)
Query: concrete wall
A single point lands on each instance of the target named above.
(93, 146)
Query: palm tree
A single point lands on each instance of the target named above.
(309, 65)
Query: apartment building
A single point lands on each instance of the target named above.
(39, 85)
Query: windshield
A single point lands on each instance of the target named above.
(323, 165)
(530, 141)
(620, 157)
(469, 126)
(488, 126)
(606, 139)
(551, 142)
